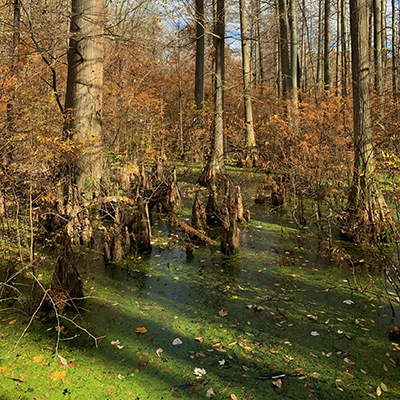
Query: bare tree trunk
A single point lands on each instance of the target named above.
(343, 43)
(284, 46)
(218, 147)
(394, 51)
(366, 213)
(199, 79)
(14, 60)
(320, 52)
(338, 49)
(294, 47)
(248, 113)
(83, 102)
(378, 46)
(327, 46)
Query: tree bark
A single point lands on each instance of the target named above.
(248, 113)
(199, 78)
(378, 46)
(284, 46)
(294, 47)
(366, 212)
(327, 46)
(320, 52)
(83, 102)
(218, 146)
(394, 51)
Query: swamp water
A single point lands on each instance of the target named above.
(277, 321)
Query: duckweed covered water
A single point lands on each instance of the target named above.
(274, 322)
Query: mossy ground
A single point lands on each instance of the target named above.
(273, 323)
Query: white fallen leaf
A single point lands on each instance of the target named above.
(346, 360)
(177, 341)
(199, 371)
(64, 362)
(159, 351)
(314, 333)
(121, 377)
(210, 393)
(119, 346)
(114, 342)
(221, 362)
(348, 302)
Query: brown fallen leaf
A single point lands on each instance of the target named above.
(277, 383)
(199, 339)
(223, 313)
(312, 317)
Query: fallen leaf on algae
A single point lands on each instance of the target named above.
(177, 342)
(223, 313)
(312, 317)
(210, 393)
(378, 391)
(141, 329)
(384, 387)
(37, 359)
(12, 322)
(277, 383)
(199, 339)
(176, 278)
(233, 397)
(159, 351)
(63, 360)
(199, 372)
(2, 369)
(58, 375)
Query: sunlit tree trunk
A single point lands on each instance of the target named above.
(294, 49)
(338, 49)
(320, 52)
(199, 79)
(378, 46)
(366, 212)
(394, 51)
(83, 102)
(343, 45)
(218, 147)
(327, 46)
(248, 113)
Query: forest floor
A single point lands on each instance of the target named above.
(279, 320)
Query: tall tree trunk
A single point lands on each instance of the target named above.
(327, 46)
(218, 147)
(294, 48)
(378, 46)
(248, 113)
(320, 51)
(83, 102)
(366, 212)
(199, 79)
(394, 51)
(284, 46)
(338, 49)
(343, 43)
(14, 60)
